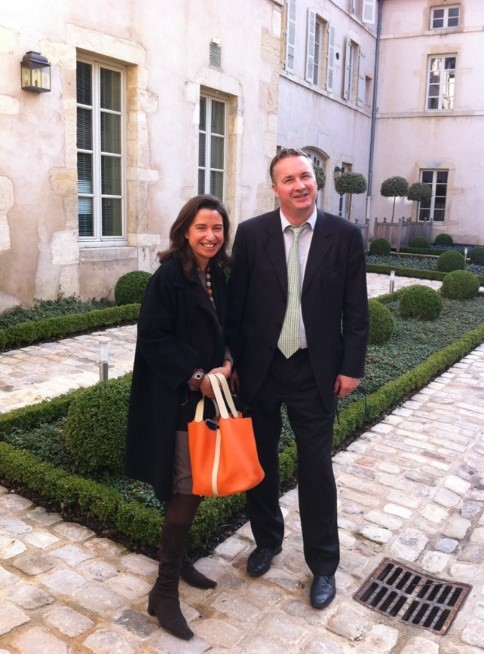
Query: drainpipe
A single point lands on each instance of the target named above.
(374, 110)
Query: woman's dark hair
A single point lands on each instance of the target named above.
(178, 243)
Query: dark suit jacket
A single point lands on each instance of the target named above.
(334, 301)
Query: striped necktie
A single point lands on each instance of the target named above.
(288, 342)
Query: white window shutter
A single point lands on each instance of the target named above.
(347, 77)
(330, 76)
(369, 9)
(291, 35)
(361, 79)
(311, 36)
(352, 6)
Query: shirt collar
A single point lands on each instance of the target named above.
(310, 221)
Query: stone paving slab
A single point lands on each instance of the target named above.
(410, 488)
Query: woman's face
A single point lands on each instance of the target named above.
(205, 235)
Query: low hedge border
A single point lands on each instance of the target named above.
(436, 275)
(26, 333)
(100, 506)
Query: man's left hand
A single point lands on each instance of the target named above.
(345, 385)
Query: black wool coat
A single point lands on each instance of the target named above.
(177, 332)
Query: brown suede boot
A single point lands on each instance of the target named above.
(163, 600)
(194, 577)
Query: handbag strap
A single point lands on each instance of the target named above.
(198, 417)
(223, 396)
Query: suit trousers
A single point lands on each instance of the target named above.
(291, 382)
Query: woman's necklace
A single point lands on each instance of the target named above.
(206, 280)
(208, 284)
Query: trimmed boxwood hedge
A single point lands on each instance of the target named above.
(26, 333)
(102, 507)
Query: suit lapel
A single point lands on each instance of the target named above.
(274, 246)
(321, 244)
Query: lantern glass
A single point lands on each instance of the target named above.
(35, 73)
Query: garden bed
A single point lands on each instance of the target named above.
(35, 462)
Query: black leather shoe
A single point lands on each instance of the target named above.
(260, 560)
(323, 591)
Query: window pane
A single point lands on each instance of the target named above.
(201, 149)
(84, 83)
(111, 217)
(111, 176)
(84, 129)
(201, 181)
(217, 152)
(437, 18)
(218, 117)
(110, 133)
(86, 223)
(110, 90)
(203, 114)
(442, 176)
(84, 173)
(217, 184)
(427, 176)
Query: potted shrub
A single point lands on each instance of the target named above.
(349, 183)
(394, 187)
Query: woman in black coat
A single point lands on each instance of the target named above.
(181, 337)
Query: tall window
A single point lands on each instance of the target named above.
(434, 209)
(441, 82)
(442, 17)
(352, 61)
(100, 165)
(211, 147)
(316, 46)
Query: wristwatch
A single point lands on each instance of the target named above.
(196, 379)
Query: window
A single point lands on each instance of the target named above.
(100, 163)
(318, 162)
(363, 9)
(441, 82)
(290, 35)
(434, 209)
(442, 17)
(351, 84)
(315, 51)
(211, 147)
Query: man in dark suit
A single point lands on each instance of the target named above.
(328, 312)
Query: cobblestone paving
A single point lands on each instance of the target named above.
(410, 489)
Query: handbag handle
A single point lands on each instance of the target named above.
(223, 396)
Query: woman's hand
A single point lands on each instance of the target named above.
(206, 386)
(226, 369)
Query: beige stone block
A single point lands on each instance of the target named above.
(6, 194)
(5, 243)
(63, 180)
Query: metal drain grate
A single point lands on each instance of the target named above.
(412, 597)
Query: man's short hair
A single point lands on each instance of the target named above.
(282, 154)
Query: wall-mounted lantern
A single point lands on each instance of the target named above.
(337, 173)
(35, 72)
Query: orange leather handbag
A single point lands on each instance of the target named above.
(223, 452)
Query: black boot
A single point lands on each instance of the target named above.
(163, 601)
(194, 577)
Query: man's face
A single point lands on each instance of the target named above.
(295, 186)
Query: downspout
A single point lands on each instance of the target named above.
(374, 110)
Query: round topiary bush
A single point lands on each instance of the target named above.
(420, 302)
(130, 287)
(419, 242)
(460, 285)
(443, 239)
(95, 427)
(382, 324)
(450, 260)
(476, 255)
(380, 247)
